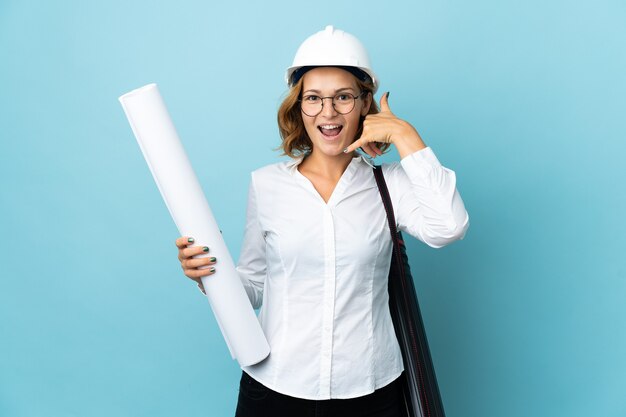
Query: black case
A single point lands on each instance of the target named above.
(419, 383)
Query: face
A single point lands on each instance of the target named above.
(331, 132)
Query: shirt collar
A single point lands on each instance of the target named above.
(363, 158)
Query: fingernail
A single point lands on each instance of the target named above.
(345, 150)
(212, 269)
(190, 240)
(206, 248)
(213, 259)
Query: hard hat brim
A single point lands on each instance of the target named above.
(294, 74)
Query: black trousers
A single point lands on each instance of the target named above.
(256, 400)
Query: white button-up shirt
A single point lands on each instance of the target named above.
(319, 270)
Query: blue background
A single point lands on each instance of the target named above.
(524, 100)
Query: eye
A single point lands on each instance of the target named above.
(343, 97)
(310, 99)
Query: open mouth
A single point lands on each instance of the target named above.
(329, 130)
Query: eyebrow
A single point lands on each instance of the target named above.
(336, 91)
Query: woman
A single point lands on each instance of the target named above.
(317, 248)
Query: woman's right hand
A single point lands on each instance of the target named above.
(190, 264)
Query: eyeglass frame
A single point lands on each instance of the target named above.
(359, 96)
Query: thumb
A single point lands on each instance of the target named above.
(384, 102)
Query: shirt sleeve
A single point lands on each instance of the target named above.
(252, 262)
(426, 202)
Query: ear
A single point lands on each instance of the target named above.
(367, 102)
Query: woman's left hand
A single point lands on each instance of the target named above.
(385, 127)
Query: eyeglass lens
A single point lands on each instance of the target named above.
(312, 105)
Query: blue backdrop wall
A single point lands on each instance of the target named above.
(524, 100)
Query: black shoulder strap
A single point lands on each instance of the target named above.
(384, 194)
(419, 386)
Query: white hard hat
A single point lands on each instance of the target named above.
(331, 47)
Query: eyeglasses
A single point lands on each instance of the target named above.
(343, 103)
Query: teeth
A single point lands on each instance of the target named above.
(330, 126)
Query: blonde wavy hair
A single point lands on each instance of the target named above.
(295, 140)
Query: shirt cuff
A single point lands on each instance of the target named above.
(420, 164)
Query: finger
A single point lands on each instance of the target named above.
(352, 147)
(197, 262)
(197, 280)
(184, 241)
(384, 103)
(368, 148)
(374, 147)
(359, 143)
(192, 251)
(198, 273)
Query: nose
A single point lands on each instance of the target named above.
(328, 110)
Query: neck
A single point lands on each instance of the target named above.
(331, 167)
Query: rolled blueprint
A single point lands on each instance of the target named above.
(185, 200)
